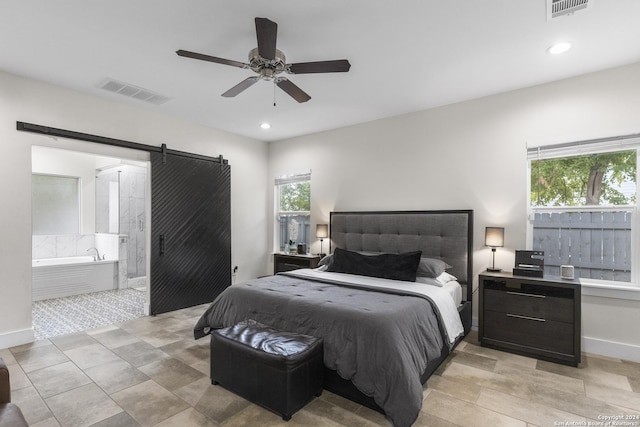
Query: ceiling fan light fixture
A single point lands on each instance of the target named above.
(268, 63)
(559, 48)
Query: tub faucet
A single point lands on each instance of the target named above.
(97, 253)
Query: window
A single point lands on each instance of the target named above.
(293, 214)
(55, 204)
(583, 208)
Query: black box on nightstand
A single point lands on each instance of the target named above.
(529, 264)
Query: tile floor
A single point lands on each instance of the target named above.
(61, 316)
(150, 372)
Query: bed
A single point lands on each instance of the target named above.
(383, 337)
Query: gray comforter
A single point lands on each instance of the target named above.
(380, 341)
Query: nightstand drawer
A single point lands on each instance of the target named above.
(531, 332)
(528, 304)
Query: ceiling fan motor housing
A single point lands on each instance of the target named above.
(267, 68)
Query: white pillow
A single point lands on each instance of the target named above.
(446, 278)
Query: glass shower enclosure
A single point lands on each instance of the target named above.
(120, 209)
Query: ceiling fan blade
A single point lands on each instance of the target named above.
(292, 90)
(203, 57)
(267, 33)
(245, 84)
(337, 66)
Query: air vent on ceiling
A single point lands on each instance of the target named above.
(133, 92)
(556, 8)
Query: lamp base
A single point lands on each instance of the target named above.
(494, 270)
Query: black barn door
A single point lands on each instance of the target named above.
(190, 231)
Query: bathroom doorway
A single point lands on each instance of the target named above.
(89, 257)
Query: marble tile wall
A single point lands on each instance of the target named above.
(65, 245)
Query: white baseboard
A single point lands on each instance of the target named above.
(14, 338)
(611, 349)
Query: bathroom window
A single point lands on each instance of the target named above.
(55, 204)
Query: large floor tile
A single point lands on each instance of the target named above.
(148, 403)
(188, 417)
(115, 338)
(39, 357)
(115, 376)
(461, 412)
(58, 379)
(71, 341)
(91, 355)
(82, 406)
(171, 373)
(140, 353)
(31, 404)
(220, 404)
(525, 409)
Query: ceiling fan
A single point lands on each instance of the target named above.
(269, 62)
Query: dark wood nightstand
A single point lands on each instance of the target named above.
(537, 317)
(288, 262)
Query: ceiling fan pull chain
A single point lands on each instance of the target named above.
(274, 93)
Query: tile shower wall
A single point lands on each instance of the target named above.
(120, 209)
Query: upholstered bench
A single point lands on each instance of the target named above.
(278, 370)
(10, 414)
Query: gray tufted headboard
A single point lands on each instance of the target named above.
(447, 235)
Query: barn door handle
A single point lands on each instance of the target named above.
(161, 244)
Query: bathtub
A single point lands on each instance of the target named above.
(66, 276)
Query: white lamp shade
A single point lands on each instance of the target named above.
(494, 237)
(322, 231)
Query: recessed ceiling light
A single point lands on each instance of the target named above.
(265, 125)
(559, 48)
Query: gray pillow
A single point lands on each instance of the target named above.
(431, 267)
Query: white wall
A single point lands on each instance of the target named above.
(472, 155)
(45, 160)
(26, 100)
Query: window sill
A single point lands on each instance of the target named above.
(611, 291)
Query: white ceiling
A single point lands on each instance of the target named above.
(405, 56)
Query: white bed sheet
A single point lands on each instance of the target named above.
(455, 290)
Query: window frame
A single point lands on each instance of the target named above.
(279, 182)
(597, 287)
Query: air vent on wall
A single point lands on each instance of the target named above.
(556, 8)
(133, 92)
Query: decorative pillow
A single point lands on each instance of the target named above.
(431, 267)
(386, 266)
